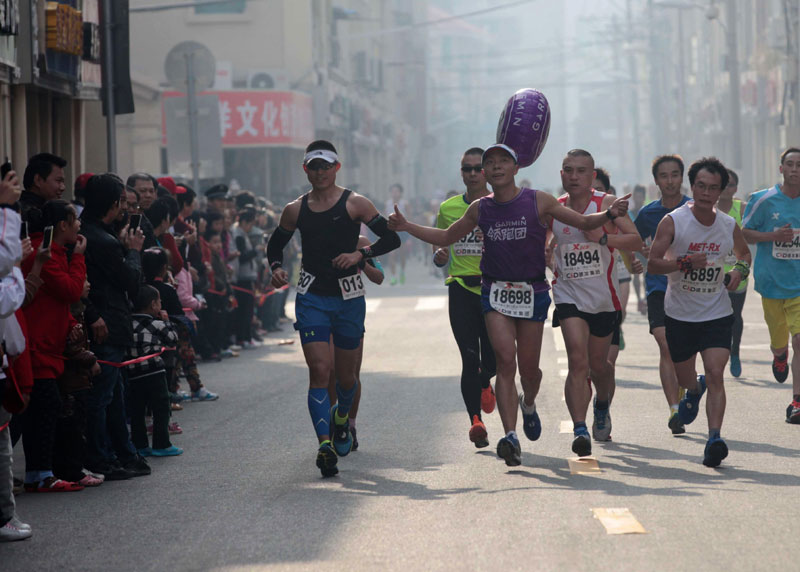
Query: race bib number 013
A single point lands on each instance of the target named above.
(581, 260)
(703, 280)
(514, 299)
(304, 282)
(470, 245)
(351, 286)
(787, 250)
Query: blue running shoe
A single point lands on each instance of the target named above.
(736, 366)
(509, 450)
(326, 459)
(601, 428)
(582, 443)
(171, 451)
(531, 423)
(342, 438)
(690, 404)
(146, 452)
(716, 450)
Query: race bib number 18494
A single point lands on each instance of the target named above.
(513, 299)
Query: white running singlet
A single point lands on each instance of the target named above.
(700, 294)
(584, 270)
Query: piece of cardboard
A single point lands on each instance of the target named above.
(618, 521)
(583, 466)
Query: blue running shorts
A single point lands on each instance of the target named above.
(320, 316)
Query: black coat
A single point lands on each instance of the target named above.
(114, 273)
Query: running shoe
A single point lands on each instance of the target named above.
(477, 433)
(52, 485)
(145, 452)
(690, 404)
(203, 394)
(342, 438)
(676, 425)
(509, 450)
(601, 428)
(326, 459)
(488, 399)
(171, 451)
(736, 366)
(716, 450)
(11, 533)
(780, 367)
(793, 413)
(582, 443)
(355, 439)
(174, 428)
(531, 423)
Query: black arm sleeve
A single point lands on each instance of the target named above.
(388, 240)
(277, 242)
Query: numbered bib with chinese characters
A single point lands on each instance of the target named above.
(513, 299)
(304, 282)
(787, 250)
(706, 280)
(352, 286)
(581, 260)
(470, 245)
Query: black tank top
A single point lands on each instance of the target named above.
(324, 236)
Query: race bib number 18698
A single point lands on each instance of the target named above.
(514, 299)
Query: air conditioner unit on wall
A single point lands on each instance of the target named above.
(267, 79)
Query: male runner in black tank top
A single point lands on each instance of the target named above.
(330, 291)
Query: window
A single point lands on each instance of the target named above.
(222, 7)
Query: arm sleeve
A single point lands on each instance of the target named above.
(277, 242)
(388, 240)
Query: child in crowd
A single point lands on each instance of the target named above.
(218, 296)
(147, 380)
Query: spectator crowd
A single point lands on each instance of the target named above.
(107, 303)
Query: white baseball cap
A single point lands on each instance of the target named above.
(502, 146)
(324, 154)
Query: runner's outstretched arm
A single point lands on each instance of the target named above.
(437, 236)
(361, 209)
(549, 206)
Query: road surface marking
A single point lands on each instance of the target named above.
(431, 303)
(754, 347)
(618, 521)
(583, 466)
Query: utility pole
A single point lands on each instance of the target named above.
(634, 94)
(735, 82)
(108, 86)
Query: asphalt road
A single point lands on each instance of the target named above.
(417, 495)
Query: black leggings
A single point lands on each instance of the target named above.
(478, 363)
(37, 425)
(150, 392)
(737, 301)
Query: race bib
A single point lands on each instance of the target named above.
(470, 245)
(304, 281)
(581, 260)
(731, 259)
(351, 286)
(514, 299)
(787, 250)
(706, 280)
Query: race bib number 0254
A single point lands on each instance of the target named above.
(787, 250)
(351, 286)
(470, 245)
(581, 260)
(514, 299)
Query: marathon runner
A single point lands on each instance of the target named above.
(514, 290)
(464, 295)
(690, 247)
(735, 208)
(668, 175)
(373, 270)
(330, 291)
(772, 221)
(586, 295)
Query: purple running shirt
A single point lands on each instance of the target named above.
(513, 240)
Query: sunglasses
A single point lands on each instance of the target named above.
(467, 168)
(320, 165)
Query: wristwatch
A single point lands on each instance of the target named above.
(366, 252)
(603, 239)
(610, 215)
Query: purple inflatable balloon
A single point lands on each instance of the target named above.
(525, 124)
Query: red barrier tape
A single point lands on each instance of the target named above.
(135, 360)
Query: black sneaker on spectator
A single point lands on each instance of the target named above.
(111, 471)
(138, 466)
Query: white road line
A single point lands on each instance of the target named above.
(754, 347)
(431, 303)
(372, 304)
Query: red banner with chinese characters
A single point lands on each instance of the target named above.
(259, 118)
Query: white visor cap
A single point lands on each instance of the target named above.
(323, 154)
(502, 146)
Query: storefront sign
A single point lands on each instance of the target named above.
(263, 118)
(64, 29)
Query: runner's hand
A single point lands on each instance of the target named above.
(784, 233)
(736, 278)
(99, 331)
(699, 260)
(397, 221)
(441, 256)
(620, 206)
(279, 278)
(636, 265)
(346, 260)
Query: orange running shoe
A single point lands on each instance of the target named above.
(488, 400)
(477, 433)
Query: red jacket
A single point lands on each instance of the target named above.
(48, 316)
